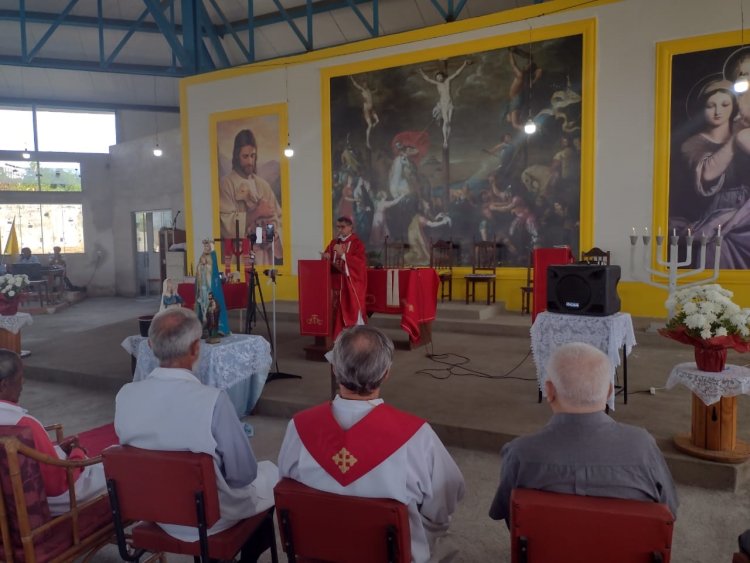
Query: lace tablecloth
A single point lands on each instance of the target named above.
(14, 323)
(552, 330)
(235, 362)
(711, 386)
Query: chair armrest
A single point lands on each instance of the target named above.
(58, 428)
(44, 458)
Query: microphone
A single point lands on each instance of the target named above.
(174, 219)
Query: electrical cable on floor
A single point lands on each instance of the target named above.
(458, 367)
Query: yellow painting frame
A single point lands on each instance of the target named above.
(279, 111)
(587, 28)
(665, 51)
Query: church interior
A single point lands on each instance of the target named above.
(533, 130)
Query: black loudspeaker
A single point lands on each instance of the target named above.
(583, 289)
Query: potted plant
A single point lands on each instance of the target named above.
(10, 292)
(706, 318)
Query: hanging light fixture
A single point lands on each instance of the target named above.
(26, 154)
(742, 84)
(288, 151)
(530, 127)
(157, 150)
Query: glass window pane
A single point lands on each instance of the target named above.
(18, 175)
(28, 225)
(66, 131)
(63, 227)
(60, 176)
(17, 131)
(161, 220)
(140, 232)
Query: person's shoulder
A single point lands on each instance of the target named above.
(631, 433)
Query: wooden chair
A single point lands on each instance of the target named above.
(29, 533)
(139, 491)
(37, 282)
(483, 270)
(393, 253)
(595, 256)
(527, 291)
(319, 526)
(441, 260)
(566, 528)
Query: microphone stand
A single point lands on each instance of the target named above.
(270, 238)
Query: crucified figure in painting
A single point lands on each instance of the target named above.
(520, 88)
(443, 110)
(368, 108)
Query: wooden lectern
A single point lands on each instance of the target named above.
(315, 306)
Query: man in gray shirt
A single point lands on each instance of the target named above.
(172, 410)
(582, 450)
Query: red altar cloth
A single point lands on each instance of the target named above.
(417, 297)
(314, 282)
(235, 295)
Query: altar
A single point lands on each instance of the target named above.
(10, 330)
(239, 364)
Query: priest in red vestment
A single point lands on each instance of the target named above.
(348, 276)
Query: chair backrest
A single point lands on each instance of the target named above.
(530, 270)
(393, 253)
(441, 255)
(34, 271)
(159, 486)
(569, 528)
(596, 256)
(484, 257)
(325, 526)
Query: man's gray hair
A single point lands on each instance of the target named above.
(172, 332)
(10, 363)
(362, 355)
(581, 374)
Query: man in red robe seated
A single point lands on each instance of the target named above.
(89, 481)
(348, 276)
(358, 446)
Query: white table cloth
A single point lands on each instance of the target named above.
(239, 364)
(710, 386)
(14, 323)
(609, 334)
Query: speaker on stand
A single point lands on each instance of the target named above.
(583, 289)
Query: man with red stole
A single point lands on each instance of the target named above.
(358, 446)
(348, 276)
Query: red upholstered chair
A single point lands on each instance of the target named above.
(175, 488)
(570, 529)
(319, 526)
(29, 533)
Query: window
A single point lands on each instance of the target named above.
(17, 132)
(30, 176)
(57, 130)
(42, 227)
(66, 131)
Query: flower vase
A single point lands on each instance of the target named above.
(8, 307)
(710, 359)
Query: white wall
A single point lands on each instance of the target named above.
(627, 33)
(133, 125)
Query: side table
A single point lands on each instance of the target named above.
(713, 432)
(10, 330)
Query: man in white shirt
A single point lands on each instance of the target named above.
(172, 410)
(407, 462)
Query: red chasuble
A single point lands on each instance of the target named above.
(349, 283)
(347, 455)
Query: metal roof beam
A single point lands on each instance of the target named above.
(285, 16)
(209, 30)
(169, 32)
(230, 29)
(76, 21)
(51, 29)
(99, 106)
(93, 66)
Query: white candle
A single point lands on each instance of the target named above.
(690, 233)
(674, 232)
(719, 233)
(645, 231)
(633, 231)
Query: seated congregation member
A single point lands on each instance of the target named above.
(27, 257)
(582, 450)
(89, 481)
(388, 453)
(172, 410)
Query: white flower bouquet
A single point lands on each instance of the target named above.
(707, 318)
(11, 285)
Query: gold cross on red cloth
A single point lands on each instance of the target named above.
(344, 460)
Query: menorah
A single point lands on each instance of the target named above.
(668, 280)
